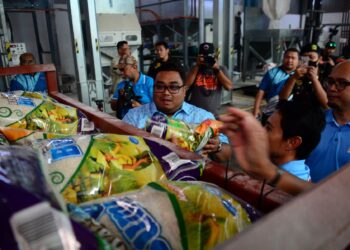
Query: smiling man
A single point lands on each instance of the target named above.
(169, 93)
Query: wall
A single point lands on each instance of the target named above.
(23, 31)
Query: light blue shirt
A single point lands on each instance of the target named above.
(188, 113)
(333, 150)
(142, 88)
(297, 168)
(29, 82)
(273, 82)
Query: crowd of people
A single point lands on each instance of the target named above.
(300, 137)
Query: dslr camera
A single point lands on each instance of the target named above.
(209, 60)
(208, 52)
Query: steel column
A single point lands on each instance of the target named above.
(95, 50)
(79, 50)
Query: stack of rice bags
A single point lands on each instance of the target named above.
(129, 190)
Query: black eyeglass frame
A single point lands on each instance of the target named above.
(340, 85)
(165, 87)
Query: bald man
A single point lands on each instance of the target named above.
(333, 151)
(29, 82)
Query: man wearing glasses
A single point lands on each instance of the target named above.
(135, 90)
(333, 151)
(168, 99)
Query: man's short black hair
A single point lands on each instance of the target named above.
(121, 44)
(304, 119)
(172, 67)
(162, 43)
(291, 50)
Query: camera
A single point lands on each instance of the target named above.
(209, 61)
(125, 100)
(313, 63)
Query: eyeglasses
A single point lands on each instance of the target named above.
(340, 84)
(173, 89)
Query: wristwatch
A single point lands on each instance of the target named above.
(219, 147)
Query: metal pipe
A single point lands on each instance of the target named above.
(201, 21)
(159, 3)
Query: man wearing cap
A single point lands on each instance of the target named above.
(327, 60)
(206, 80)
(272, 83)
(135, 90)
(122, 49)
(305, 84)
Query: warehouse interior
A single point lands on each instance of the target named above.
(74, 42)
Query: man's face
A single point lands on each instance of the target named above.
(27, 60)
(329, 51)
(338, 92)
(162, 52)
(128, 71)
(312, 55)
(275, 136)
(290, 60)
(169, 99)
(124, 50)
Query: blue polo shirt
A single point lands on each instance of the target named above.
(143, 87)
(333, 151)
(188, 113)
(297, 168)
(273, 82)
(29, 82)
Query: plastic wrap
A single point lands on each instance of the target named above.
(41, 114)
(18, 136)
(192, 137)
(87, 167)
(168, 215)
(23, 185)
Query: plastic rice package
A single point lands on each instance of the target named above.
(40, 114)
(87, 167)
(168, 215)
(31, 212)
(19, 136)
(22, 167)
(192, 137)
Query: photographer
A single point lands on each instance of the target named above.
(135, 90)
(304, 85)
(206, 80)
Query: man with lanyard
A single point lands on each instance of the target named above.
(169, 95)
(272, 83)
(29, 82)
(206, 80)
(136, 90)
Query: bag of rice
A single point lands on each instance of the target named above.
(192, 137)
(22, 111)
(168, 215)
(86, 167)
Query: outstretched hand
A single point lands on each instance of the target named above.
(249, 143)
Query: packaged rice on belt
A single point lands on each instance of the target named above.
(18, 111)
(19, 136)
(168, 215)
(192, 137)
(22, 167)
(86, 167)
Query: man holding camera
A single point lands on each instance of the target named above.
(305, 84)
(206, 80)
(272, 83)
(135, 90)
